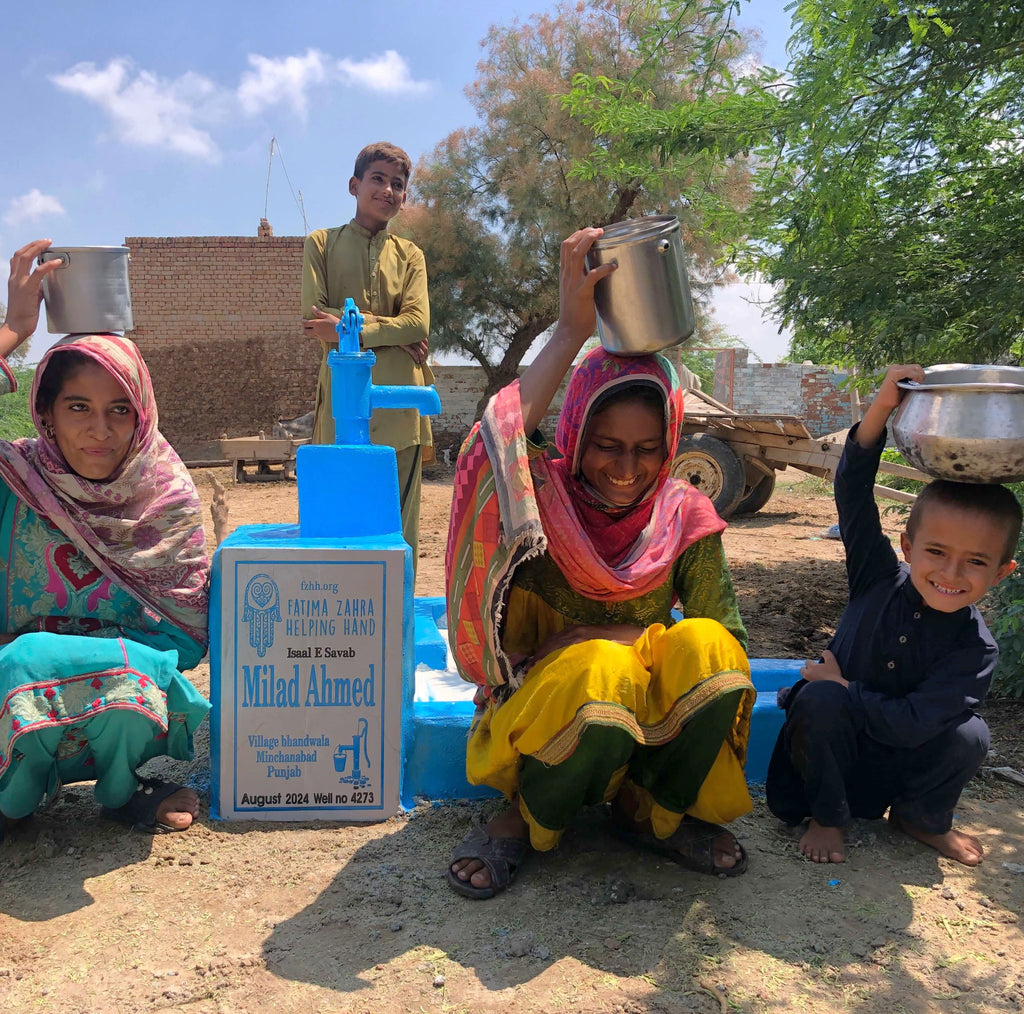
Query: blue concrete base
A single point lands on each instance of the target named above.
(435, 755)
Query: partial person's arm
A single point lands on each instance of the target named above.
(577, 319)
(165, 637)
(956, 685)
(577, 633)
(704, 586)
(886, 401)
(24, 294)
(319, 319)
(411, 324)
(869, 554)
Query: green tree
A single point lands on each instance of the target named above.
(493, 203)
(893, 223)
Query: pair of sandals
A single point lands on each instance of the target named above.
(691, 846)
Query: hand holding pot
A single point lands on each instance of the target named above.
(885, 402)
(577, 312)
(890, 393)
(577, 318)
(24, 294)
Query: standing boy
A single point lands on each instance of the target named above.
(886, 718)
(387, 277)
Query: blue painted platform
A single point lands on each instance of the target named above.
(435, 754)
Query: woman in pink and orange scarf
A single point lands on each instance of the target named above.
(103, 580)
(563, 566)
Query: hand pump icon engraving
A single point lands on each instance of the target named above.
(356, 779)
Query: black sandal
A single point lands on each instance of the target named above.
(139, 813)
(501, 857)
(691, 846)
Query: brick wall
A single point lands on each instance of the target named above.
(217, 319)
(814, 393)
(459, 388)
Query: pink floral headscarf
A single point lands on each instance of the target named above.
(142, 527)
(616, 555)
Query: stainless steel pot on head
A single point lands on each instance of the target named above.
(90, 292)
(964, 423)
(643, 306)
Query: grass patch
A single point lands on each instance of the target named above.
(15, 416)
(808, 485)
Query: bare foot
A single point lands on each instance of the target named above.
(179, 809)
(964, 848)
(823, 844)
(509, 824)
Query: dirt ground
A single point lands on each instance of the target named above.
(240, 917)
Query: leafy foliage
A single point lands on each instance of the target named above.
(1005, 607)
(493, 203)
(15, 416)
(892, 221)
(898, 481)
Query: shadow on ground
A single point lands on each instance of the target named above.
(630, 915)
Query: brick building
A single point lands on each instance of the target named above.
(814, 393)
(217, 318)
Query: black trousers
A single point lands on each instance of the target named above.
(824, 766)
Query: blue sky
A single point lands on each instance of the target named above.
(128, 119)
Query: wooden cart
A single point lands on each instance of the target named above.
(272, 459)
(734, 457)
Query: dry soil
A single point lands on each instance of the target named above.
(239, 917)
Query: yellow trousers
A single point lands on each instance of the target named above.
(669, 714)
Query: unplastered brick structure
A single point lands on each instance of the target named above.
(460, 389)
(218, 321)
(814, 393)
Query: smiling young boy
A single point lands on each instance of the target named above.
(886, 719)
(387, 277)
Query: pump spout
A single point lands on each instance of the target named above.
(424, 399)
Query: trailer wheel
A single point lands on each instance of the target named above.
(756, 496)
(711, 465)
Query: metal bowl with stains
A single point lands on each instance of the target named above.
(964, 423)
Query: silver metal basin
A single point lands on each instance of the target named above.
(964, 423)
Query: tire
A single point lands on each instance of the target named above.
(711, 465)
(756, 496)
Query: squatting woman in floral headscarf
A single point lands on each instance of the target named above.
(563, 567)
(103, 580)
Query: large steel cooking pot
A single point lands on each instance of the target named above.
(644, 305)
(89, 292)
(964, 423)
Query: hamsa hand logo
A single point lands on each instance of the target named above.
(261, 611)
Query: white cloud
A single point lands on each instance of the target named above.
(388, 73)
(31, 207)
(147, 111)
(281, 80)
